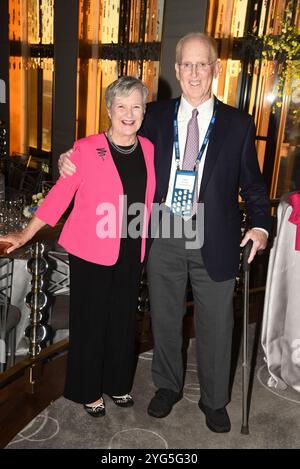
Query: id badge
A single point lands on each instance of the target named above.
(183, 193)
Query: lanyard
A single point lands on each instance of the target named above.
(206, 138)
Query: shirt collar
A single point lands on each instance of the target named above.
(205, 109)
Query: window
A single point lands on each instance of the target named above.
(248, 81)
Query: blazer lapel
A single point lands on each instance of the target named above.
(104, 155)
(214, 146)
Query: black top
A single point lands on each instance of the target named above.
(133, 174)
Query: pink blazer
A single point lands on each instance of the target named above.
(95, 182)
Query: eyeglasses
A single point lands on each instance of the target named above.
(202, 66)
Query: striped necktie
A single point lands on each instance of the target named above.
(191, 151)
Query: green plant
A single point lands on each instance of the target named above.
(285, 50)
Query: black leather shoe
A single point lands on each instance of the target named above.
(123, 401)
(161, 404)
(95, 410)
(217, 420)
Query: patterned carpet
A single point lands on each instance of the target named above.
(274, 417)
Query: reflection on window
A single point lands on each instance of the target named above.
(287, 168)
(107, 29)
(32, 106)
(106, 23)
(248, 81)
(150, 78)
(17, 100)
(227, 18)
(40, 21)
(47, 105)
(110, 21)
(31, 76)
(261, 98)
(108, 73)
(226, 85)
(232, 75)
(15, 23)
(40, 76)
(154, 19)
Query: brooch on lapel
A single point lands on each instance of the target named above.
(101, 152)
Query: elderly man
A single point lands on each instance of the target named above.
(213, 146)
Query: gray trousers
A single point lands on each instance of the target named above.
(169, 265)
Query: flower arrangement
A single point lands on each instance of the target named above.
(285, 50)
(37, 199)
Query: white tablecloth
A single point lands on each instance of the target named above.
(21, 286)
(281, 320)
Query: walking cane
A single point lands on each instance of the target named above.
(245, 371)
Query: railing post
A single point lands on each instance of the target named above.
(36, 300)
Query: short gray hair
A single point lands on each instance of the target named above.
(124, 86)
(210, 41)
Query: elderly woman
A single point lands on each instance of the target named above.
(105, 256)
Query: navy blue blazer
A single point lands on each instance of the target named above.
(230, 168)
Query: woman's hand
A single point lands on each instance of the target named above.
(15, 239)
(65, 165)
(19, 239)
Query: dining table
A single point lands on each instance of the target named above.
(50, 278)
(281, 317)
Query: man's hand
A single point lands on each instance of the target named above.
(65, 165)
(259, 239)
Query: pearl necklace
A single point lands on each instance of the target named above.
(120, 149)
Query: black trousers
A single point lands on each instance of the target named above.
(103, 305)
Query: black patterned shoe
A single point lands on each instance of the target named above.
(97, 410)
(123, 401)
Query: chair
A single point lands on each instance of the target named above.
(22, 179)
(58, 289)
(9, 316)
